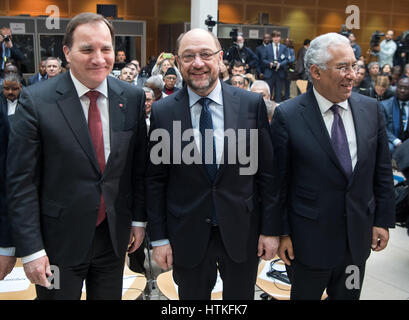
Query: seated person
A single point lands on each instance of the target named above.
(237, 80)
(169, 80)
(380, 90)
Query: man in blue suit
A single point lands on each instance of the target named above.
(395, 110)
(260, 52)
(41, 75)
(275, 60)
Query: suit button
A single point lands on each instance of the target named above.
(208, 220)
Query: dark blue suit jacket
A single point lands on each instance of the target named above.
(260, 53)
(269, 57)
(325, 211)
(34, 79)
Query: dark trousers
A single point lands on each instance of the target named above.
(309, 283)
(276, 84)
(238, 279)
(102, 271)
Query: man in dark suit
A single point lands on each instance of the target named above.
(336, 177)
(204, 217)
(396, 113)
(41, 75)
(275, 60)
(8, 102)
(76, 161)
(260, 53)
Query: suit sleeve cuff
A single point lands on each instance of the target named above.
(139, 224)
(159, 243)
(33, 256)
(396, 142)
(8, 252)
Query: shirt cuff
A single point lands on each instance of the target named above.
(8, 252)
(396, 142)
(139, 224)
(33, 256)
(159, 243)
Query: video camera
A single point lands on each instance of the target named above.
(233, 34)
(375, 39)
(210, 23)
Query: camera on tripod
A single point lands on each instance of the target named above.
(375, 39)
(233, 34)
(210, 23)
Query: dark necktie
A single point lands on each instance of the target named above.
(95, 130)
(340, 142)
(276, 51)
(207, 123)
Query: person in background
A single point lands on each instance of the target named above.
(127, 74)
(237, 80)
(169, 80)
(41, 75)
(53, 67)
(380, 90)
(387, 49)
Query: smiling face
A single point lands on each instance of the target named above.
(200, 75)
(52, 68)
(91, 56)
(333, 83)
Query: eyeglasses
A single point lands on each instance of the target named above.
(205, 56)
(237, 82)
(347, 69)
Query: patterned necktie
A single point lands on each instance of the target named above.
(95, 130)
(340, 142)
(207, 123)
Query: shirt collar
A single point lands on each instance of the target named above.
(216, 95)
(324, 104)
(81, 89)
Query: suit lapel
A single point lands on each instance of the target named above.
(312, 116)
(231, 109)
(360, 124)
(71, 108)
(117, 109)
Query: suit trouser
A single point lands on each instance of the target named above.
(275, 83)
(343, 282)
(238, 279)
(102, 271)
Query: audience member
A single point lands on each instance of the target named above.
(41, 75)
(299, 67)
(260, 52)
(156, 84)
(354, 45)
(387, 49)
(360, 84)
(239, 52)
(53, 67)
(262, 88)
(169, 80)
(127, 74)
(237, 80)
(395, 110)
(380, 89)
(163, 64)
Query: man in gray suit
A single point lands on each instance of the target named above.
(335, 171)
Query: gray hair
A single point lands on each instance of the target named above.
(12, 77)
(156, 81)
(317, 54)
(260, 84)
(56, 59)
(371, 64)
(149, 90)
(271, 105)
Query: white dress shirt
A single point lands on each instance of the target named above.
(11, 107)
(347, 119)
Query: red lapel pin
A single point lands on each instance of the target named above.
(121, 105)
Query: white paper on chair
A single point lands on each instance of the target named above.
(16, 280)
(277, 266)
(218, 287)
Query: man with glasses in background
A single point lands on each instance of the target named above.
(209, 216)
